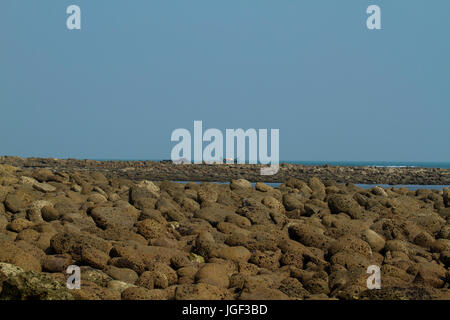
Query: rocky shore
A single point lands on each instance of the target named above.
(158, 171)
(309, 238)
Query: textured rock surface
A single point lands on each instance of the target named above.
(138, 239)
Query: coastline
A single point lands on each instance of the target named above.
(164, 170)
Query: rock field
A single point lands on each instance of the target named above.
(137, 239)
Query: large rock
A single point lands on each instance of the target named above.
(269, 260)
(256, 212)
(151, 229)
(44, 187)
(34, 213)
(430, 274)
(73, 243)
(56, 263)
(119, 286)
(263, 187)
(11, 253)
(49, 213)
(14, 203)
(106, 217)
(317, 187)
(344, 203)
(235, 254)
(142, 197)
(150, 187)
(292, 201)
(240, 184)
(214, 274)
(140, 258)
(94, 257)
(122, 274)
(375, 240)
(350, 244)
(273, 204)
(214, 214)
(310, 236)
(34, 286)
(19, 224)
(8, 270)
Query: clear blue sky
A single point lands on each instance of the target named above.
(140, 69)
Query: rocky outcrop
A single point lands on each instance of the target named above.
(166, 170)
(137, 239)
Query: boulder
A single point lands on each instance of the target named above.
(235, 254)
(214, 274)
(375, 240)
(34, 286)
(106, 217)
(73, 242)
(240, 184)
(11, 253)
(344, 203)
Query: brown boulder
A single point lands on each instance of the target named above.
(11, 253)
(73, 243)
(214, 274)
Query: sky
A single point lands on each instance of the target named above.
(137, 70)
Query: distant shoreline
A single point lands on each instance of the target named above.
(349, 163)
(165, 170)
(334, 163)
